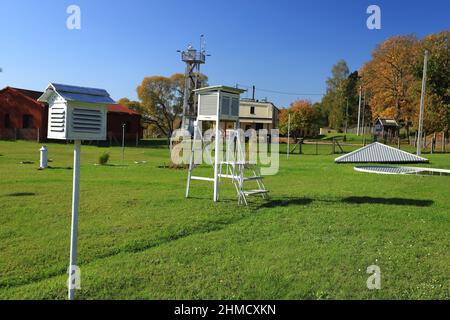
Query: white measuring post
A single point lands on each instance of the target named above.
(75, 119)
(422, 104)
(74, 225)
(123, 141)
(43, 162)
(289, 135)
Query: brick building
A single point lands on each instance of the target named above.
(21, 116)
(119, 115)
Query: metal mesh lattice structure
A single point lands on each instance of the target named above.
(403, 170)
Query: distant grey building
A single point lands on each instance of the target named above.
(256, 114)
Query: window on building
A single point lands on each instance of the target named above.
(27, 121)
(7, 121)
(259, 126)
(252, 110)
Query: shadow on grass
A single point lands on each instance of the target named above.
(20, 194)
(59, 168)
(286, 202)
(226, 200)
(389, 201)
(112, 165)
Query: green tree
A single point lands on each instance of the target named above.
(161, 101)
(351, 97)
(437, 103)
(334, 102)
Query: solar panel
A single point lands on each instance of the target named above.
(81, 90)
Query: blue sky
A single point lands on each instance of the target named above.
(287, 46)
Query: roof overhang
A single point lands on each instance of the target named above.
(219, 88)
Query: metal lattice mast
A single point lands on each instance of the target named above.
(193, 60)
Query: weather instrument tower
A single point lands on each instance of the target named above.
(219, 104)
(193, 60)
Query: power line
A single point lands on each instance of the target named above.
(282, 92)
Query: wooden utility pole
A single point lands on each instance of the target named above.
(359, 111)
(443, 142)
(346, 117)
(363, 114)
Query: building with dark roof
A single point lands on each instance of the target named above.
(386, 128)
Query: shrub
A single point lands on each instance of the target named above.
(103, 159)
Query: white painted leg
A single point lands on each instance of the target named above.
(216, 161)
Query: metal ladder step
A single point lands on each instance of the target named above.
(237, 177)
(238, 162)
(253, 178)
(253, 192)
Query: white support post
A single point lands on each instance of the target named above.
(192, 158)
(216, 160)
(216, 150)
(289, 135)
(74, 228)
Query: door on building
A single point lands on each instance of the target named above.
(27, 121)
(7, 121)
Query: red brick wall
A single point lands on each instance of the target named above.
(16, 105)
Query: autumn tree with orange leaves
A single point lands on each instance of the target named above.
(392, 80)
(389, 79)
(303, 119)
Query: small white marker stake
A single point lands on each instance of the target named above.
(289, 136)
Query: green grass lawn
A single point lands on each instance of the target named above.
(139, 238)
